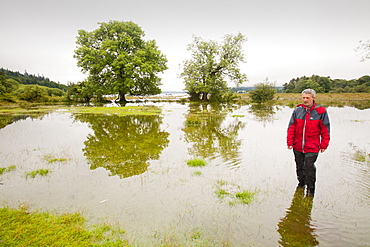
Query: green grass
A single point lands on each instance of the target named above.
(121, 111)
(233, 194)
(41, 172)
(359, 156)
(196, 162)
(197, 173)
(52, 160)
(21, 228)
(7, 169)
(245, 197)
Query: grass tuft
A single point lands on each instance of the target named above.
(233, 194)
(41, 172)
(56, 160)
(196, 162)
(7, 169)
(197, 173)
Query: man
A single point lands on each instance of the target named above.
(308, 134)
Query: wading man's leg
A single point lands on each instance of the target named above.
(300, 168)
(310, 170)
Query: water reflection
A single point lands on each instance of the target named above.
(295, 228)
(9, 119)
(263, 112)
(123, 144)
(211, 135)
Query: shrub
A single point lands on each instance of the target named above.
(264, 91)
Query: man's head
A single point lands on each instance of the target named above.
(308, 96)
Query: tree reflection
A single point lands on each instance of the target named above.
(295, 228)
(210, 134)
(8, 119)
(263, 112)
(123, 144)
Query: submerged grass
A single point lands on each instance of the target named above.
(359, 154)
(233, 194)
(7, 169)
(41, 172)
(56, 160)
(21, 228)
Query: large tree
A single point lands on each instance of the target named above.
(118, 58)
(212, 66)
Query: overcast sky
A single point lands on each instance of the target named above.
(286, 38)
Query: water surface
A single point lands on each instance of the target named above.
(132, 171)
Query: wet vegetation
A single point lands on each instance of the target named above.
(233, 194)
(41, 172)
(196, 162)
(7, 169)
(19, 227)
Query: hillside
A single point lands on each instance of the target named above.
(29, 79)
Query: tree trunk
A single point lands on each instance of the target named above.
(121, 97)
(205, 96)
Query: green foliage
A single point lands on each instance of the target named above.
(328, 85)
(119, 60)
(263, 92)
(196, 162)
(206, 73)
(22, 228)
(85, 91)
(15, 86)
(33, 94)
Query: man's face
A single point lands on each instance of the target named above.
(307, 99)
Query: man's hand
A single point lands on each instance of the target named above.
(322, 150)
(290, 147)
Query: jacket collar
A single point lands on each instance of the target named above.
(310, 109)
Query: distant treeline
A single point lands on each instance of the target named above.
(29, 79)
(320, 84)
(327, 85)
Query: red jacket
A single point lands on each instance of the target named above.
(309, 129)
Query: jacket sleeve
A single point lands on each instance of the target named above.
(325, 131)
(291, 130)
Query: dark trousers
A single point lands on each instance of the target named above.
(305, 168)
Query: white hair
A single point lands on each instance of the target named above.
(309, 91)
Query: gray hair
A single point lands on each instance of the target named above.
(309, 91)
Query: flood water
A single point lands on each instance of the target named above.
(132, 171)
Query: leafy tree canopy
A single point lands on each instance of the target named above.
(119, 60)
(211, 64)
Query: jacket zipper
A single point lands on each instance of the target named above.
(304, 132)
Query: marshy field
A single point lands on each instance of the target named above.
(173, 173)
